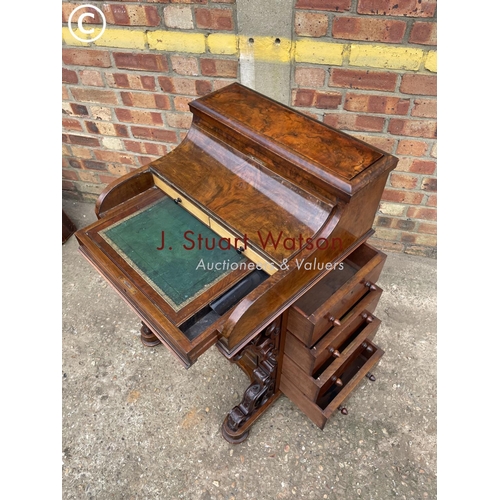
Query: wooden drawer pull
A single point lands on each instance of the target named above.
(343, 410)
(370, 377)
(334, 352)
(337, 381)
(370, 285)
(367, 317)
(331, 319)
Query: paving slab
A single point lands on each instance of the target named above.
(138, 425)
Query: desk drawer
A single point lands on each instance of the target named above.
(309, 359)
(334, 295)
(352, 342)
(351, 375)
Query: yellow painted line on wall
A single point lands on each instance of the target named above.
(266, 49)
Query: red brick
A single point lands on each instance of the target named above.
(94, 165)
(79, 109)
(146, 62)
(185, 65)
(69, 76)
(81, 152)
(145, 100)
(327, 100)
(69, 186)
(374, 30)
(179, 120)
(75, 163)
(106, 128)
(403, 181)
(427, 228)
(423, 167)
(381, 142)
(432, 200)
(303, 97)
(308, 24)
(140, 117)
(187, 86)
(419, 239)
(69, 174)
(144, 160)
(407, 197)
(114, 157)
(94, 95)
(154, 134)
(91, 78)
(131, 81)
(419, 84)
(413, 128)
(86, 57)
(376, 104)
(407, 8)
(424, 33)
(333, 5)
(68, 8)
(81, 140)
(405, 225)
(217, 19)
(411, 148)
(422, 213)
(310, 77)
(348, 121)
(426, 108)
(181, 103)
(65, 93)
(149, 148)
(131, 15)
(219, 84)
(72, 124)
(219, 67)
(179, 1)
(107, 179)
(362, 79)
(429, 184)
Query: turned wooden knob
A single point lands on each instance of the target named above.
(178, 200)
(338, 382)
(367, 318)
(370, 285)
(331, 319)
(333, 352)
(343, 410)
(371, 377)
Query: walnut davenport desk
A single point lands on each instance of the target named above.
(251, 235)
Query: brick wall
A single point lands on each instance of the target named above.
(364, 66)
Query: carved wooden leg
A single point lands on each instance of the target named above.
(259, 361)
(148, 338)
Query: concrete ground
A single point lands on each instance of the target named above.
(137, 425)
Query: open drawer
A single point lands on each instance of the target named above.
(332, 297)
(331, 345)
(159, 258)
(327, 403)
(351, 343)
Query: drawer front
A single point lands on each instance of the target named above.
(309, 359)
(310, 328)
(319, 412)
(353, 340)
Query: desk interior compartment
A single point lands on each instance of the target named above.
(335, 294)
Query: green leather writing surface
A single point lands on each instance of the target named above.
(172, 271)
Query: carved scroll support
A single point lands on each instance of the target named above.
(259, 361)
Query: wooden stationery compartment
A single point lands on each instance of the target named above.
(310, 359)
(334, 295)
(351, 341)
(351, 375)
